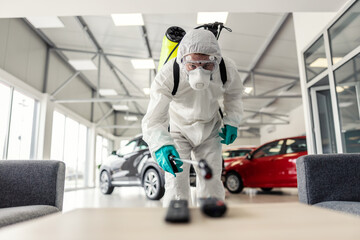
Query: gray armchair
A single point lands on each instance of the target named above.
(330, 181)
(30, 189)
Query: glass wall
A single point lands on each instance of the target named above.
(5, 98)
(18, 124)
(347, 79)
(104, 147)
(344, 34)
(69, 144)
(22, 127)
(335, 109)
(315, 59)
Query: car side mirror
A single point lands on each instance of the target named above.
(249, 156)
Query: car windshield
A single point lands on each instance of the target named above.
(235, 153)
(128, 148)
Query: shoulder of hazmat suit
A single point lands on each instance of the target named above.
(156, 121)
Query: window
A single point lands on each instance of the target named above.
(142, 144)
(273, 148)
(344, 34)
(347, 79)
(315, 59)
(104, 147)
(5, 98)
(69, 141)
(128, 148)
(295, 145)
(235, 153)
(18, 124)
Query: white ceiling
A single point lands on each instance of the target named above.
(21, 8)
(252, 24)
(250, 31)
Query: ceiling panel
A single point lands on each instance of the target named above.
(250, 31)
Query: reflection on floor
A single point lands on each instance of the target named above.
(135, 197)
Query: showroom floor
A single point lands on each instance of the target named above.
(135, 197)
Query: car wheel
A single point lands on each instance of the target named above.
(105, 184)
(234, 183)
(152, 185)
(266, 189)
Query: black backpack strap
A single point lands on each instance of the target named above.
(223, 71)
(176, 73)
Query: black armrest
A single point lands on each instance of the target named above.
(31, 182)
(328, 177)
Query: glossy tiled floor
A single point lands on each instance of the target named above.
(135, 197)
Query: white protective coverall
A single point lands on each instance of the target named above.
(194, 117)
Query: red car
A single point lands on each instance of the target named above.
(270, 165)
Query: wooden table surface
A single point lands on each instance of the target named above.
(248, 221)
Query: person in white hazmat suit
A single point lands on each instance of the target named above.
(193, 115)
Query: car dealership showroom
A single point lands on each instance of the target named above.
(180, 120)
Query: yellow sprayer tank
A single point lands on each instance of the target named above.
(170, 44)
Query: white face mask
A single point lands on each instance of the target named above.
(199, 78)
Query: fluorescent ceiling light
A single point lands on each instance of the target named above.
(336, 59)
(339, 89)
(244, 128)
(143, 63)
(319, 63)
(128, 19)
(130, 118)
(107, 92)
(45, 22)
(322, 62)
(345, 104)
(146, 91)
(251, 120)
(248, 90)
(119, 107)
(210, 17)
(83, 64)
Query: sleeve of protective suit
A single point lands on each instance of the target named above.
(233, 106)
(156, 120)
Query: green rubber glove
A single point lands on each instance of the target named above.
(162, 158)
(229, 134)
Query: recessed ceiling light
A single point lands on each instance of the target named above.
(248, 90)
(336, 59)
(128, 19)
(107, 92)
(345, 104)
(322, 62)
(119, 107)
(143, 63)
(146, 91)
(319, 63)
(130, 118)
(83, 64)
(251, 120)
(45, 22)
(210, 17)
(339, 89)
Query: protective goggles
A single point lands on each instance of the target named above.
(206, 62)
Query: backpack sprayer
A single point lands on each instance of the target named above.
(174, 35)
